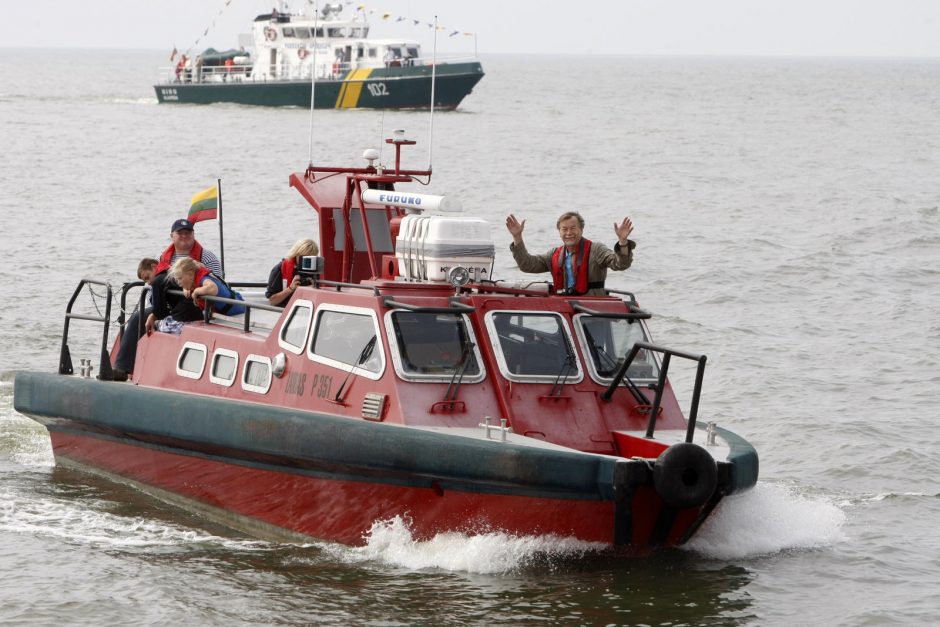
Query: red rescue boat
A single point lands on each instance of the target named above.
(403, 381)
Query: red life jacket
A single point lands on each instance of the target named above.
(201, 273)
(164, 265)
(579, 267)
(287, 272)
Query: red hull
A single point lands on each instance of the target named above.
(334, 509)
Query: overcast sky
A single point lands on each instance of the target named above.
(748, 27)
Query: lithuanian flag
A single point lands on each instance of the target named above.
(205, 205)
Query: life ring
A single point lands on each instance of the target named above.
(270, 33)
(685, 475)
(302, 53)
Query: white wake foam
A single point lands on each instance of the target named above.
(768, 519)
(391, 542)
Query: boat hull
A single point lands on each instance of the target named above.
(290, 474)
(378, 88)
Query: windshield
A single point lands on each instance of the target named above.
(609, 340)
(433, 344)
(534, 345)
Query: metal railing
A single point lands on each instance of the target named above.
(268, 72)
(105, 371)
(65, 356)
(661, 383)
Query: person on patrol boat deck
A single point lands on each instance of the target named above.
(579, 266)
(284, 277)
(184, 244)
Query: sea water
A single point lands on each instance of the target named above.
(787, 221)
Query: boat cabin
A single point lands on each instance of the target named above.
(295, 47)
(402, 322)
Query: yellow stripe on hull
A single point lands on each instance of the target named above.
(348, 97)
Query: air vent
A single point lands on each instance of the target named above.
(373, 406)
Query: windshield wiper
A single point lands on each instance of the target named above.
(566, 365)
(615, 364)
(459, 371)
(363, 357)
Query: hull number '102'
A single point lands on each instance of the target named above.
(377, 89)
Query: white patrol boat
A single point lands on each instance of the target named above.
(289, 52)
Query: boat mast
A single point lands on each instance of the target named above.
(433, 83)
(313, 75)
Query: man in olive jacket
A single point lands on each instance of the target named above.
(570, 273)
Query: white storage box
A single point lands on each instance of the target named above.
(428, 246)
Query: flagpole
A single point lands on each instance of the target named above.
(221, 240)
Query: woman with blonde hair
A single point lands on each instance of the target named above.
(285, 277)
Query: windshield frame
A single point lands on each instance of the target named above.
(589, 360)
(443, 377)
(576, 377)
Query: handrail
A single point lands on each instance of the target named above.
(207, 308)
(454, 307)
(634, 314)
(65, 356)
(245, 73)
(340, 284)
(661, 383)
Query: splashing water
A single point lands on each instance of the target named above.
(392, 542)
(768, 519)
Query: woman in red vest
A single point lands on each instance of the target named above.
(284, 277)
(579, 266)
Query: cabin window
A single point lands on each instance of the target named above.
(302, 32)
(356, 32)
(224, 367)
(319, 32)
(533, 346)
(294, 332)
(288, 31)
(336, 32)
(373, 53)
(348, 338)
(608, 340)
(433, 346)
(257, 374)
(192, 360)
(413, 53)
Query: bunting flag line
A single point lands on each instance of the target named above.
(386, 16)
(204, 205)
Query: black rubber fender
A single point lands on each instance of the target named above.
(685, 475)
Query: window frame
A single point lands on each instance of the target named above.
(358, 370)
(589, 360)
(497, 347)
(219, 380)
(397, 363)
(297, 350)
(189, 374)
(250, 387)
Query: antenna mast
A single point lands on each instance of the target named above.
(313, 73)
(433, 84)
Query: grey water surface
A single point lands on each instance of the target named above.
(787, 221)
